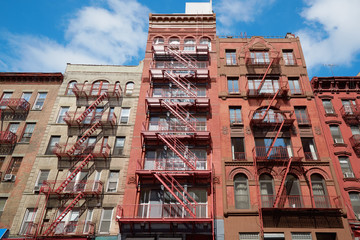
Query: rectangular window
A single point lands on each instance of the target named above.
(309, 149)
(238, 149)
(233, 84)
(329, 109)
(2, 204)
(27, 223)
(230, 56)
(113, 181)
(249, 236)
(301, 236)
(294, 85)
(124, 117)
(355, 130)
(52, 145)
(269, 86)
(274, 236)
(346, 167)
(289, 58)
(235, 115)
(40, 100)
(29, 129)
(105, 221)
(259, 57)
(26, 96)
(13, 127)
(61, 115)
(4, 101)
(336, 134)
(119, 145)
(349, 106)
(88, 221)
(326, 236)
(14, 166)
(302, 116)
(43, 176)
(2, 160)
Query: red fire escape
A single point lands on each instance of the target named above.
(79, 156)
(176, 102)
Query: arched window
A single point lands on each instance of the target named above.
(189, 44)
(129, 88)
(321, 198)
(99, 87)
(69, 89)
(293, 192)
(174, 42)
(158, 40)
(267, 190)
(206, 41)
(355, 203)
(241, 191)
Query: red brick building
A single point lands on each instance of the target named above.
(278, 178)
(337, 99)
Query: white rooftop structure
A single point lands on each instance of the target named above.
(198, 8)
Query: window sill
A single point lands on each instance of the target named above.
(23, 143)
(351, 179)
(340, 145)
(236, 124)
(331, 115)
(231, 65)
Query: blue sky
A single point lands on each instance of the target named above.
(44, 35)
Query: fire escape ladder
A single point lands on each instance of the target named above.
(181, 114)
(263, 79)
(276, 137)
(85, 136)
(269, 106)
(74, 173)
(188, 157)
(282, 185)
(186, 86)
(53, 225)
(181, 57)
(92, 107)
(175, 190)
(259, 200)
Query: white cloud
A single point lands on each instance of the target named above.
(113, 35)
(333, 33)
(232, 11)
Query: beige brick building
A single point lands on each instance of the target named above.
(78, 176)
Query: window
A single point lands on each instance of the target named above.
(2, 160)
(259, 57)
(129, 88)
(289, 58)
(241, 192)
(274, 236)
(319, 191)
(105, 222)
(189, 44)
(119, 145)
(26, 96)
(336, 134)
(29, 129)
(39, 102)
(293, 193)
(68, 223)
(200, 196)
(230, 57)
(294, 86)
(27, 223)
(267, 190)
(206, 41)
(269, 86)
(3, 101)
(2, 204)
(174, 42)
(113, 181)
(99, 87)
(328, 106)
(326, 236)
(52, 145)
(235, 115)
(301, 115)
(233, 84)
(355, 203)
(249, 236)
(124, 117)
(88, 221)
(13, 127)
(237, 148)
(70, 87)
(158, 40)
(43, 176)
(301, 236)
(349, 106)
(346, 167)
(61, 115)
(14, 166)
(309, 149)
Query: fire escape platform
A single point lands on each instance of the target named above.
(351, 113)
(88, 188)
(197, 73)
(181, 135)
(271, 123)
(98, 151)
(161, 52)
(199, 102)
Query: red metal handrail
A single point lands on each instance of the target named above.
(176, 94)
(7, 137)
(239, 156)
(272, 116)
(71, 228)
(276, 153)
(15, 104)
(174, 126)
(301, 201)
(73, 187)
(170, 164)
(71, 117)
(267, 90)
(198, 48)
(97, 150)
(271, 55)
(177, 65)
(355, 140)
(350, 110)
(88, 90)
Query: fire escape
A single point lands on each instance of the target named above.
(74, 192)
(179, 101)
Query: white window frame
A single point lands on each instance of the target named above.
(102, 219)
(38, 184)
(23, 94)
(113, 180)
(27, 220)
(127, 115)
(37, 106)
(61, 114)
